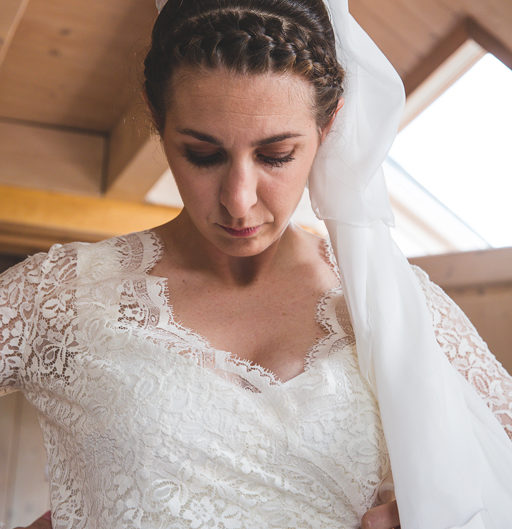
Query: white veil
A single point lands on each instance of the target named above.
(451, 459)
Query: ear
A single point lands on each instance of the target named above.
(329, 125)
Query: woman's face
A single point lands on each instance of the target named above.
(240, 148)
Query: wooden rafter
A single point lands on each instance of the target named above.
(135, 157)
(462, 269)
(33, 220)
(51, 158)
(489, 42)
(451, 58)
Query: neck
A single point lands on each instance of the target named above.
(194, 252)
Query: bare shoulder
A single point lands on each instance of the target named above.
(307, 240)
(312, 258)
(310, 247)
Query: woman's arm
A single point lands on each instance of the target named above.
(468, 353)
(18, 293)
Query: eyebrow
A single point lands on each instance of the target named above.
(265, 141)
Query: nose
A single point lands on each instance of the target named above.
(238, 193)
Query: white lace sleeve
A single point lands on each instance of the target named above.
(18, 288)
(468, 353)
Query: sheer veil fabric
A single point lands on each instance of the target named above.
(450, 457)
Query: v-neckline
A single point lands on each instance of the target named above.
(264, 374)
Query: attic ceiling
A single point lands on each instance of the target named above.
(73, 123)
(75, 63)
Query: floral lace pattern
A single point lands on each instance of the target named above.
(468, 353)
(147, 426)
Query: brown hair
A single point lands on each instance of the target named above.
(246, 36)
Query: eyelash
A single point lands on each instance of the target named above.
(218, 158)
(203, 161)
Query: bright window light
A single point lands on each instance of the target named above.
(460, 150)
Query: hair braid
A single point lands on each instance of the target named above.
(245, 39)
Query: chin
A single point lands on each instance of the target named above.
(246, 246)
(243, 248)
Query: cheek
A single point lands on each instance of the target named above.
(283, 192)
(198, 200)
(196, 188)
(197, 193)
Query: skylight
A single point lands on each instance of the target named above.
(460, 150)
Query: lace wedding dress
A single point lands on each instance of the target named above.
(146, 425)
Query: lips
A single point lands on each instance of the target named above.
(241, 232)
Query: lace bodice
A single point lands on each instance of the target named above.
(147, 426)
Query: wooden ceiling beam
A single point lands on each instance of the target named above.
(441, 52)
(469, 269)
(135, 156)
(75, 63)
(451, 58)
(32, 220)
(51, 158)
(11, 13)
(490, 42)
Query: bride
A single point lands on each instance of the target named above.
(205, 373)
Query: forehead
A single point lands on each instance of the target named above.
(224, 99)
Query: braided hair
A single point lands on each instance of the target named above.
(245, 36)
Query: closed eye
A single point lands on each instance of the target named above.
(219, 157)
(276, 161)
(201, 160)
